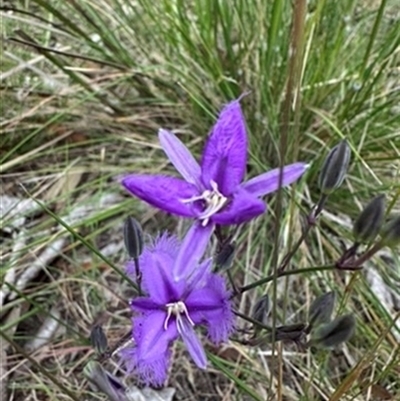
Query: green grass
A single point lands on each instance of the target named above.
(86, 86)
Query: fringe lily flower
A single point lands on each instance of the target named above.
(182, 293)
(212, 191)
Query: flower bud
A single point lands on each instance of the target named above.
(334, 333)
(391, 232)
(294, 332)
(369, 222)
(133, 237)
(225, 256)
(335, 167)
(104, 381)
(98, 339)
(321, 309)
(261, 309)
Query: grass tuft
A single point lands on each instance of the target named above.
(85, 86)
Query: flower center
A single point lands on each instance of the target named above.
(179, 310)
(213, 200)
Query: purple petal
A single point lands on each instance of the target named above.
(151, 373)
(225, 154)
(212, 305)
(243, 207)
(156, 264)
(192, 342)
(180, 157)
(199, 275)
(269, 182)
(205, 299)
(191, 251)
(163, 192)
(150, 358)
(150, 336)
(145, 305)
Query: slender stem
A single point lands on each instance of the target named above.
(318, 209)
(311, 221)
(138, 275)
(218, 234)
(234, 288)
(250, 320)
(349, 254)
(291, 253)
(269, 278)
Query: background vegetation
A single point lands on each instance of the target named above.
(85, 86)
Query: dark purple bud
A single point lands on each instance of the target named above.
(369, 222)
(334, 333)
(104, 381)
(225, 256)
(261, 309)
(291, 328)
(98, 339)
(133, 237)
(321, 309)
(293, 332)
(335, 168)
(391, 232)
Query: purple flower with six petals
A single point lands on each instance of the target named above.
(181, 293)
(212, 191)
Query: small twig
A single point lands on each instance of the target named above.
(33, 15)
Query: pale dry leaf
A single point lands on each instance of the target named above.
(3, 373)
(45, 332)
(381, 393)
(50, 253)
(148, 394)
(111, 249)
(12, 316)
(19, 242)
(66, 183)
(54, 249)
(13, 211)
(384, 294)
(48, 80)
(88, 210)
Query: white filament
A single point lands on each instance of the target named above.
(213, 199)
(178, 309)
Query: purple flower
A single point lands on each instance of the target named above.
(182, 293)
(212, 191)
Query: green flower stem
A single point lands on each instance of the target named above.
(269, 278)
(357, 264)
(311, 221)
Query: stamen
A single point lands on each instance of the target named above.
(177, 308)
(169, 313)
(213, 199)
(204, 196)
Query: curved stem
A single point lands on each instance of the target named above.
(269, 278)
